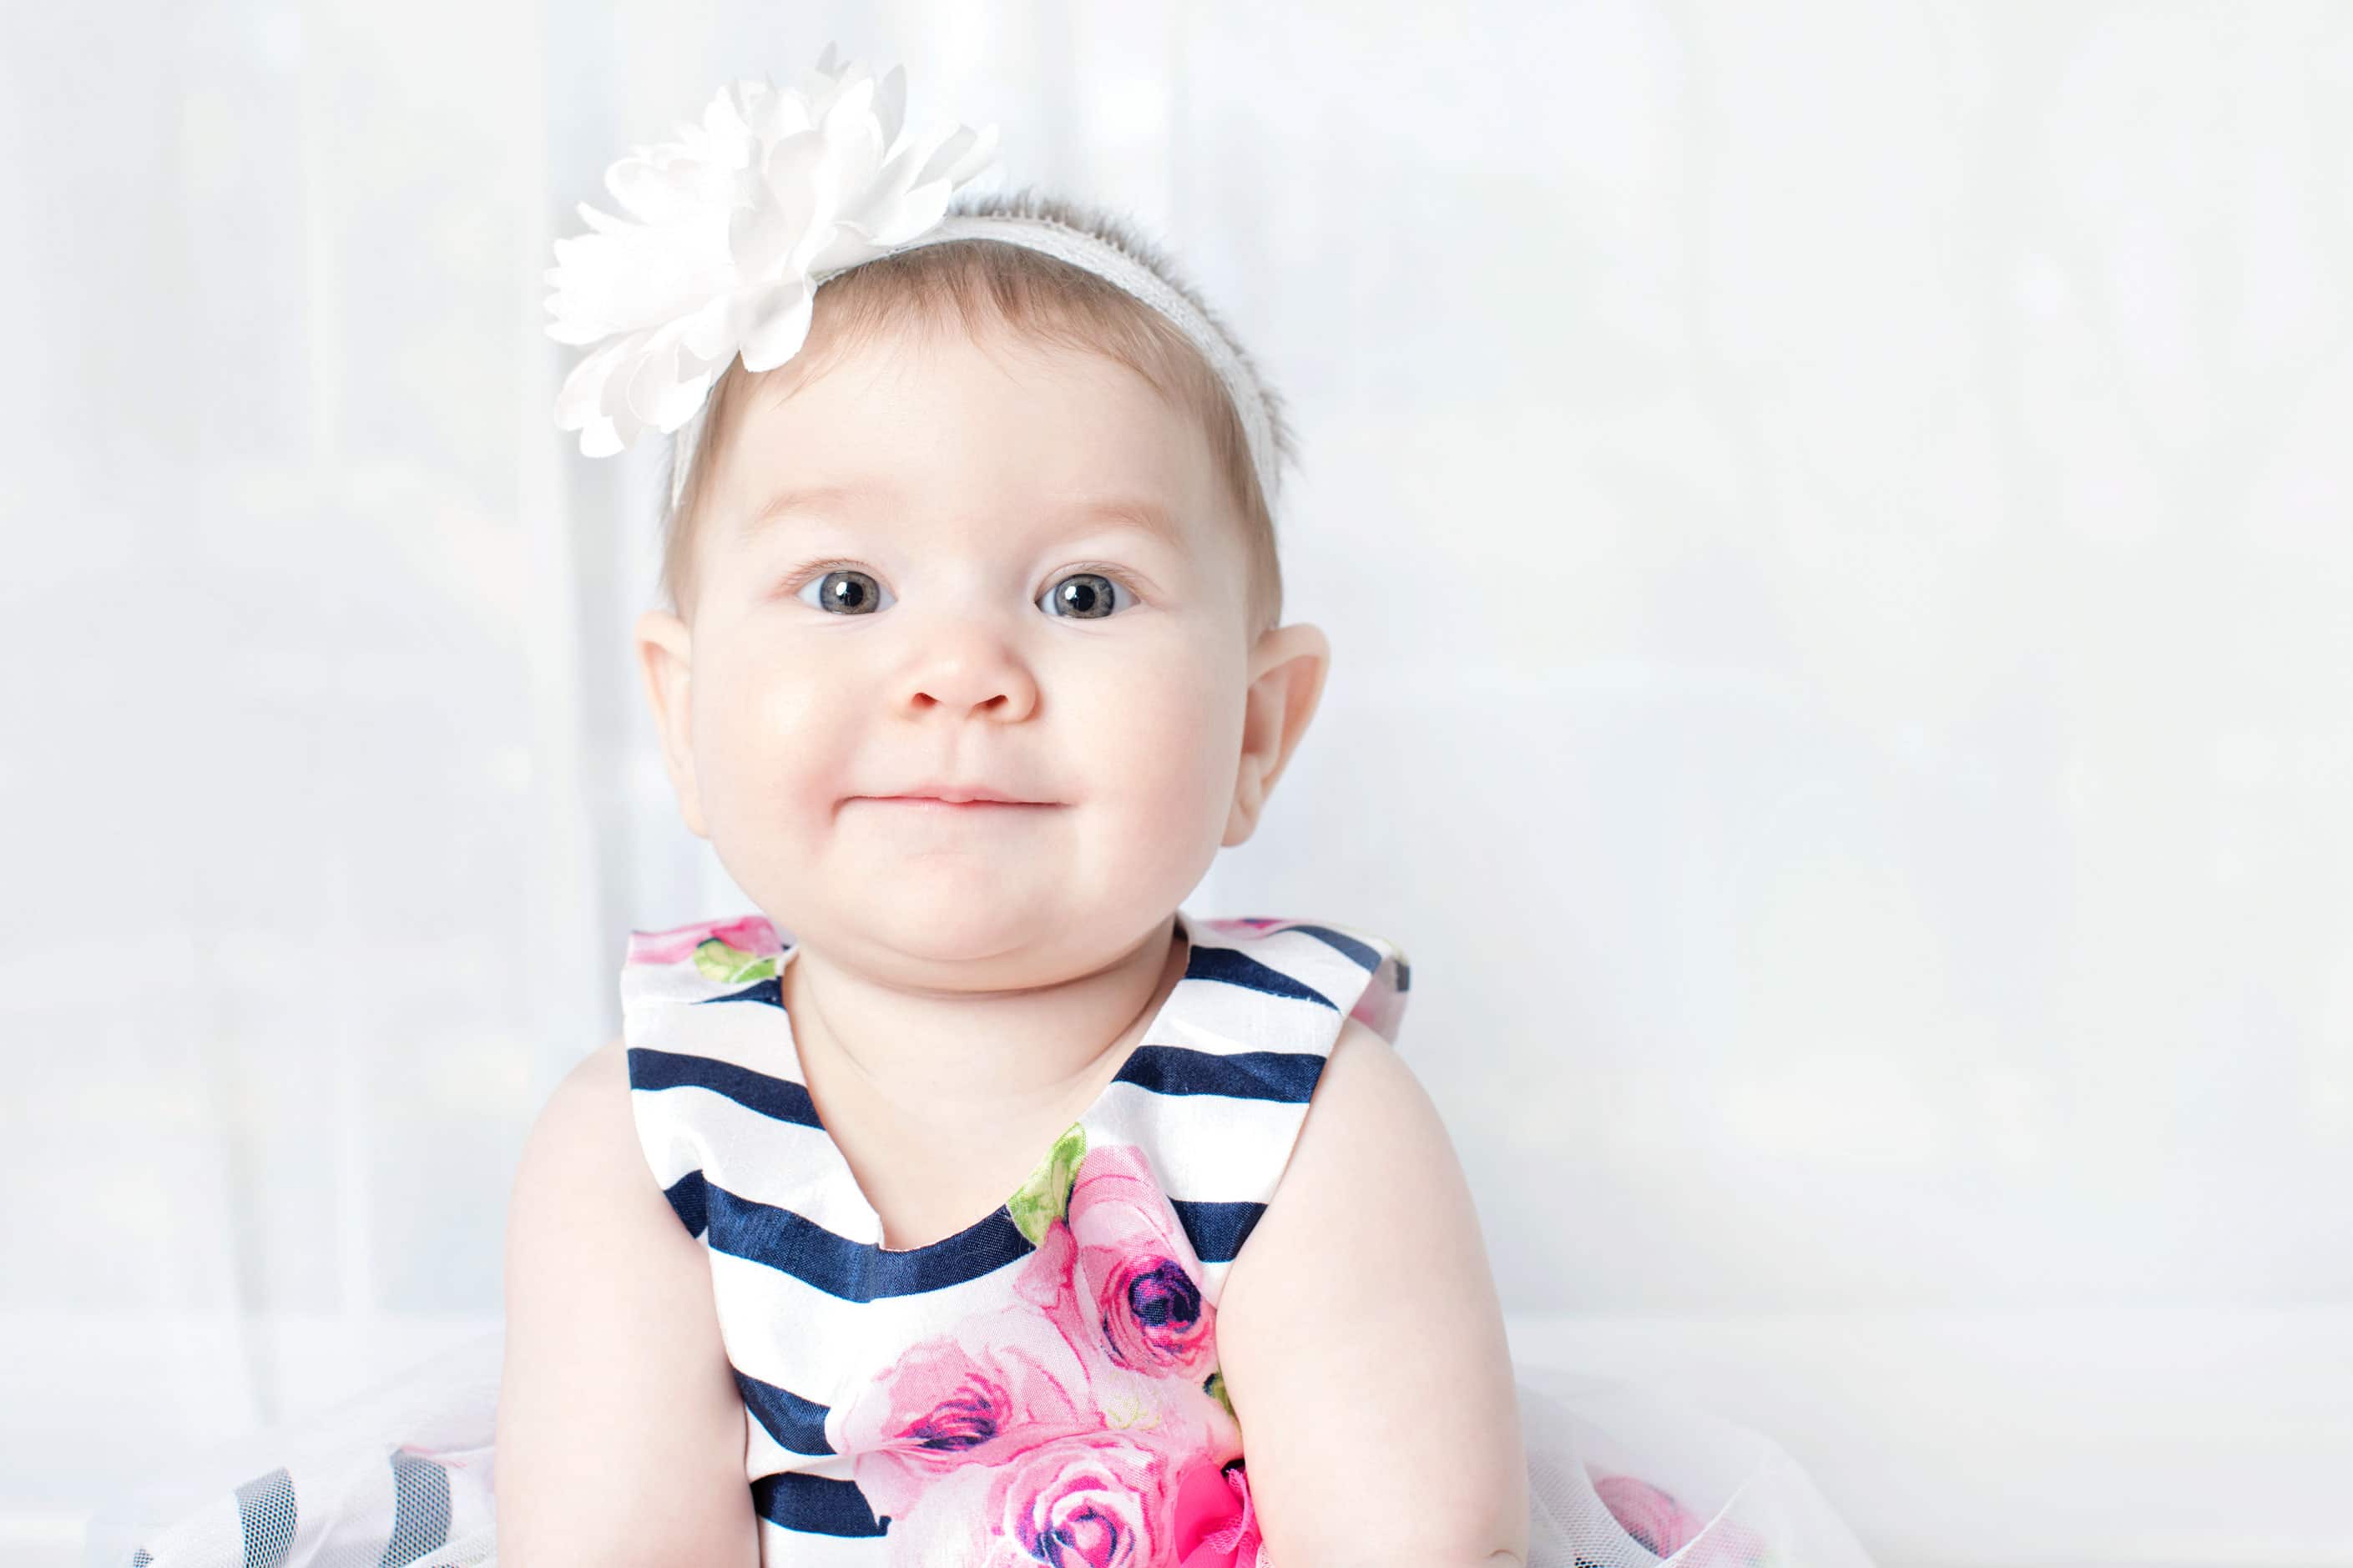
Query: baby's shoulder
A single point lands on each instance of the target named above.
(585, 1119)
(1366, 1097)
(582, 1179)
(1371, 1138)
(589, 1094)
(1373, 1173)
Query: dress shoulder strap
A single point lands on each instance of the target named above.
(1217, 1093)
(716, 1102)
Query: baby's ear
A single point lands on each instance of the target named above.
(1287, 669)
(666, 650)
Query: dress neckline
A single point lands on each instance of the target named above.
(1003, 1214)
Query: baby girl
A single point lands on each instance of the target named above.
(966, 1201)
(969, 1202)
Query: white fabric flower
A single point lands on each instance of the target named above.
(738, 221)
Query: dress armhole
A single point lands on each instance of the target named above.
(670, 1155)
(1381, 1008)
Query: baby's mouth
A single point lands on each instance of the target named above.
(951, 803)
(961, 804)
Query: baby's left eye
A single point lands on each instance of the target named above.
(1086, 597)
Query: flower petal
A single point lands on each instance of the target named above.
(583, 389)
(853, 140)
(574, 330)
(628, 428)
(844, 247)
(641, 189)
(724, 118)
(962, 155)
(601, 222)
(891, 105)
(781, 327)
(661, 392)
(711, 332)
(790, 174)
(614, 428)
(684, 400)
(759, 241)
(819, 87)
(768, 116)
(764, 238)
(910, 215)
(613, 397)
(598, 439)
(875, 209)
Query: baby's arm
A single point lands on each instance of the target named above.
(1362, 1345)
(620, 1432)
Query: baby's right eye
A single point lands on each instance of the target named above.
(845, 592)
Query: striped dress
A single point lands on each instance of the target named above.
(1043, 1385)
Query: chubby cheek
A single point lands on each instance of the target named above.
(1142, 739)
(773, 749)
(1153, 748)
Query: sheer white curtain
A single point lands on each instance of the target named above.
(1832, 519)
(305, 881)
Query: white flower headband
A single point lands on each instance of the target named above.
(743, 218)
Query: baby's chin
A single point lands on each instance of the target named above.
(972, 923)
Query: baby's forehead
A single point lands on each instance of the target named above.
(874, 382)
(1014, 434)
(971, 522)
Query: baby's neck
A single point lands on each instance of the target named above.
(867, 1046)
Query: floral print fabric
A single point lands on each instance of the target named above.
(1042, 1387)
(1084, 1423)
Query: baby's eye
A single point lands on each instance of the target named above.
(844, 591)
(1085, 596)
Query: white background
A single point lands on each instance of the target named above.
(1834, 521)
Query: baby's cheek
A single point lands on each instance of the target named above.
(1168, 783)
(779, 757)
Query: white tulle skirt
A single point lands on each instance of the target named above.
(401, 1475)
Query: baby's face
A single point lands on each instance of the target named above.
(934, 569)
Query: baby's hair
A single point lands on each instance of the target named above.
(978, 284)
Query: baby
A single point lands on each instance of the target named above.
(1003, 1213)
(1000, 1213)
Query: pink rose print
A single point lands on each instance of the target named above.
(1138, 1268)
(1100, 1501)
(980, 1396)
(751, 933)
(1077, 1424)
(1181, 1419)
(1049, 1281)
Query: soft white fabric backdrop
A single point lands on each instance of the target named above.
(1834, 521)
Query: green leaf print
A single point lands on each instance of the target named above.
(1045, 1198)
(714, 960)
(1216, 1389)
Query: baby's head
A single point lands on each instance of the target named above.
(995, 528)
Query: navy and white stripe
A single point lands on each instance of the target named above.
(811, 1305)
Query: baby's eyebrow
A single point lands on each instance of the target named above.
(808, 497)
(1140, 513)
